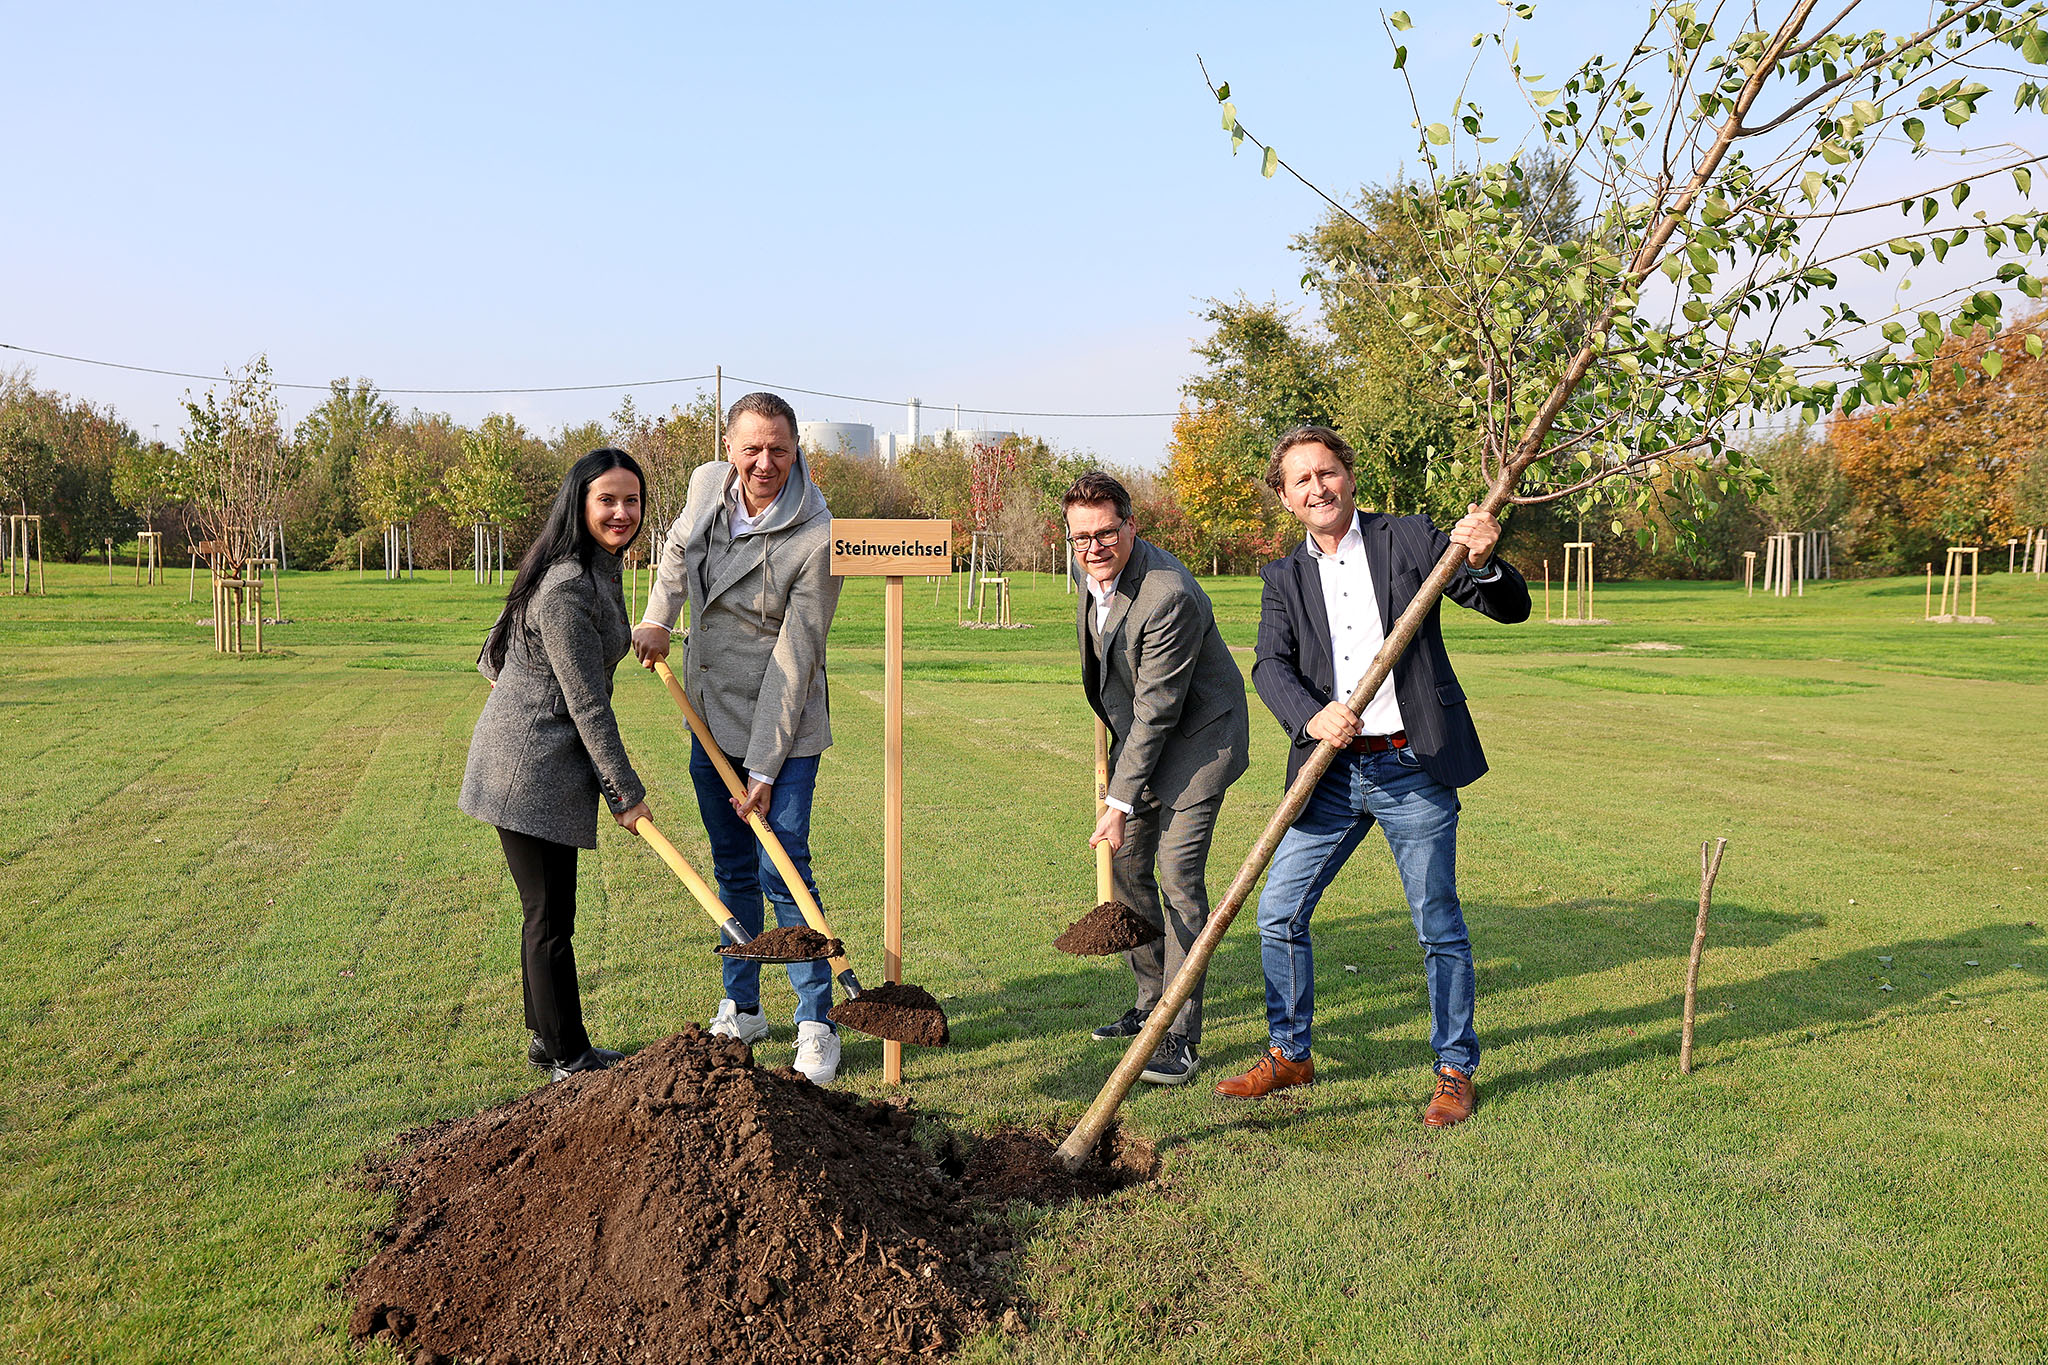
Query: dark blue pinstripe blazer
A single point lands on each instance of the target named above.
(1293, 671)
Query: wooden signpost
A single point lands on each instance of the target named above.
(891, 549)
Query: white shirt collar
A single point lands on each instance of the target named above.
(1354, 539)
(1101, 592)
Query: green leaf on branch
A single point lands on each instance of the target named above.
(2034, 345)
(1270, 164)
(1437, 133)
(1915, 129)
(1811, 185)
(1223, 92)
(1957, 195)
(1229, 117)
(1993, 363)
(2034, 47)
(2024, 178)
(1399, 19)
(1400, 58)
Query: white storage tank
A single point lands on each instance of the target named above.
(967, 438)
(837, 438)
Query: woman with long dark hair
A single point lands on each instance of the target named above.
(547, 744)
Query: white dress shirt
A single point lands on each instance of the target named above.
(1355, 630)
(1102, 593)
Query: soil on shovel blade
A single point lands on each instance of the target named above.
(787, 942)
(688, 1206)
(898, 1010)
(1111, 927)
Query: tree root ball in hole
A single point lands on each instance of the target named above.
(787, 943)
(1111, 927)
(895, 1010)
(1024, 1163)
(689, 1206)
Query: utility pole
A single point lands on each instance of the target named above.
(718, 418)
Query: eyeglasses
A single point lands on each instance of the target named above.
(1106, 539)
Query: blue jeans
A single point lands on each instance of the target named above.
(1420, 817)
(744, 870)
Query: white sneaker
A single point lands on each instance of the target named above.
(817, 1052)
(730, 1023)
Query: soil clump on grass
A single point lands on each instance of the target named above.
(898, 1010)
(795, 942)
(686, 1205)
(1111, 927)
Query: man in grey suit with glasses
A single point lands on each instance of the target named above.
(1155, 669)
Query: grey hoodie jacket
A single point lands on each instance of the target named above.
(760, 608)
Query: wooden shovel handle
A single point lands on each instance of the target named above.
(1105, 881)
(680, 865)
(798, 888)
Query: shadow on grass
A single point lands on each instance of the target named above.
(1378, 1021)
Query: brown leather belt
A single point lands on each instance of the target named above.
(1378, 744)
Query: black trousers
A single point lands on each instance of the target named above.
(545, 874)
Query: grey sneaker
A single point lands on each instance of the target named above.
(1173, 1063)
(1129, 1026)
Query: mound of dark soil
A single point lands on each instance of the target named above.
(1111, 927)
(688, 1206)
(898, 1010)
(787, 943)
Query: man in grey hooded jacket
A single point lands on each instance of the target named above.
(751, 555)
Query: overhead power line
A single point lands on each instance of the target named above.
(323, 388)
(586, 388)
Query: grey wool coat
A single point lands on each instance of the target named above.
(760, 606)
(547, 744)
(1164, 683)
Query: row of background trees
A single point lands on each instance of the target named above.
(356, 464)
(1961, 460)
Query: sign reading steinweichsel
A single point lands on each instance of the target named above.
(883, 548)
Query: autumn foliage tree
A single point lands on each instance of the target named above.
(1950, 462)
(1215, 467)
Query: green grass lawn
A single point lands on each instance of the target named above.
(246, 938)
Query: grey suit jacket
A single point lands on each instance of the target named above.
(760, 609)
(547, 743)
(1164, 683)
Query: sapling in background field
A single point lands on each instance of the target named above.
(1721, 158)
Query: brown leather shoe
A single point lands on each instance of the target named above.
(1456, 1097)
(1273, 1072)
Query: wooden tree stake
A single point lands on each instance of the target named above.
(1709, 869)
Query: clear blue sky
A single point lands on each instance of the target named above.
(1017, 207)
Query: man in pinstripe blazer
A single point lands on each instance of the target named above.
(1324, 613)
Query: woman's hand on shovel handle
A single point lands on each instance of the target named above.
(629, 818)
(1109, 829)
